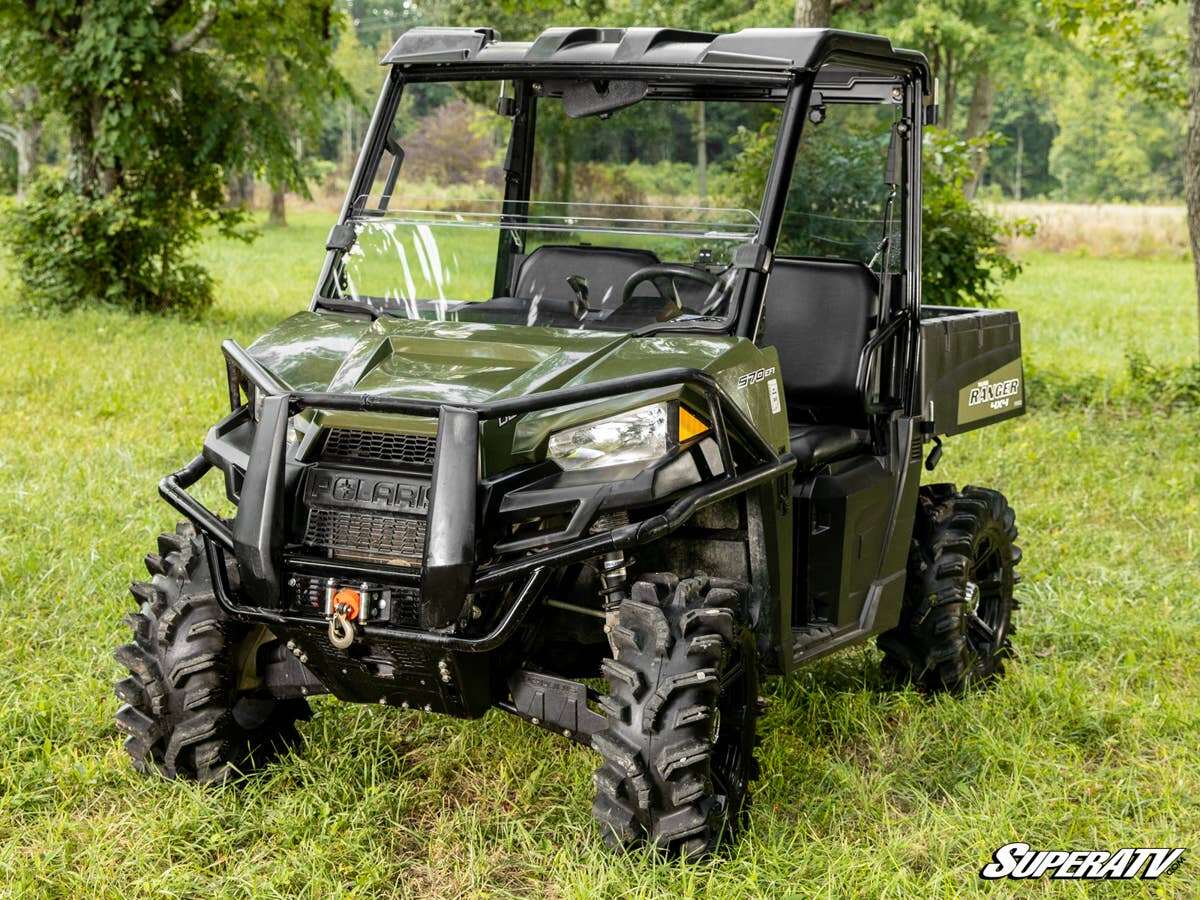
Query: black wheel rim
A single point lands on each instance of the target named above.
(986, 600)
(733, 735)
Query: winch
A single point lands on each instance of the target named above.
(344, 606)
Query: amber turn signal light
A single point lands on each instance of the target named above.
(689, 425)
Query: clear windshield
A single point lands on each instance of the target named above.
(627, 220)
(575, 265)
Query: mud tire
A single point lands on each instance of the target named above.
(956, 625)
(182, 712)
(682, 703)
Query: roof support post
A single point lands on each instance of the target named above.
(775, 195)
(518, 178)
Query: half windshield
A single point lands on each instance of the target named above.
(626, 220)
(574, 265)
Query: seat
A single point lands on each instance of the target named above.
(819, 314)
(544, 272)
(816, 445)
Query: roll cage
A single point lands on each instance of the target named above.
(797, 68)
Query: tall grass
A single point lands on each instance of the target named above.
(1109, 230)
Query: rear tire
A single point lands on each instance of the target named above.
(183, 712)
(683, 698)
(956, 624)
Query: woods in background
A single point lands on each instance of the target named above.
(150, 124)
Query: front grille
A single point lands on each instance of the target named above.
(383, 537)
(379, 446)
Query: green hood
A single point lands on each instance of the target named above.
(456, 362)
(467, 363)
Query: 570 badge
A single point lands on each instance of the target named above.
(767, 375)
(755, 377)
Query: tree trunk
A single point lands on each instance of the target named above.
(702, 153)
(348, 146)
(568, 174)
(29, 141)
(278, 207)
(1191, 173)
(239, 190)
(15, 136)
(93, 177)
(28, 135)
(83, 164)
(949, 82)
(979, 119)
(1020, 161)
(813, 14)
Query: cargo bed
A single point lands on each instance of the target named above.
(971, 372)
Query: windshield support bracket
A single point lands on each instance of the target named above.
(341, 237)
(754, 257)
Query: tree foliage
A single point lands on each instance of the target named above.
(838, 186)
(1141, 44)
(964, 251)
(1111, 147)
(160, 101)
(1153, 50)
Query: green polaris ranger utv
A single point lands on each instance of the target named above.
(616, 373)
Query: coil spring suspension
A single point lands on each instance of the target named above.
(614, 574)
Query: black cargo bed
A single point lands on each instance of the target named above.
(971, 371)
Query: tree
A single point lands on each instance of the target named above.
(1191, 171)
(23, 132)
(358, 65)
(1149, 53)
(161, 101)
(1111, 150)
(973, 46)
(1019, 164)
(812, 14)
(837, 187)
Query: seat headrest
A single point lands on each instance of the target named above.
(545, 271)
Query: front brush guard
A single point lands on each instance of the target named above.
(450, 573)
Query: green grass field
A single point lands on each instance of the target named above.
(1091, 742)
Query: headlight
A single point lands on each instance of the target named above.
(639, 435)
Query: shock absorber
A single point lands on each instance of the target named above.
(614, 574)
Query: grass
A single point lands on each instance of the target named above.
(1090, 742)
(1081, 316)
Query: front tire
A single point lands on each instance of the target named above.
(683, 698)
(185, 712)
(956, 624)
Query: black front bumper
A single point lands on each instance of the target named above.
(450, 573)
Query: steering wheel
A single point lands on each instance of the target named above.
(663, 276)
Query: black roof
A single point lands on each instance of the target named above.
(763, 49)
